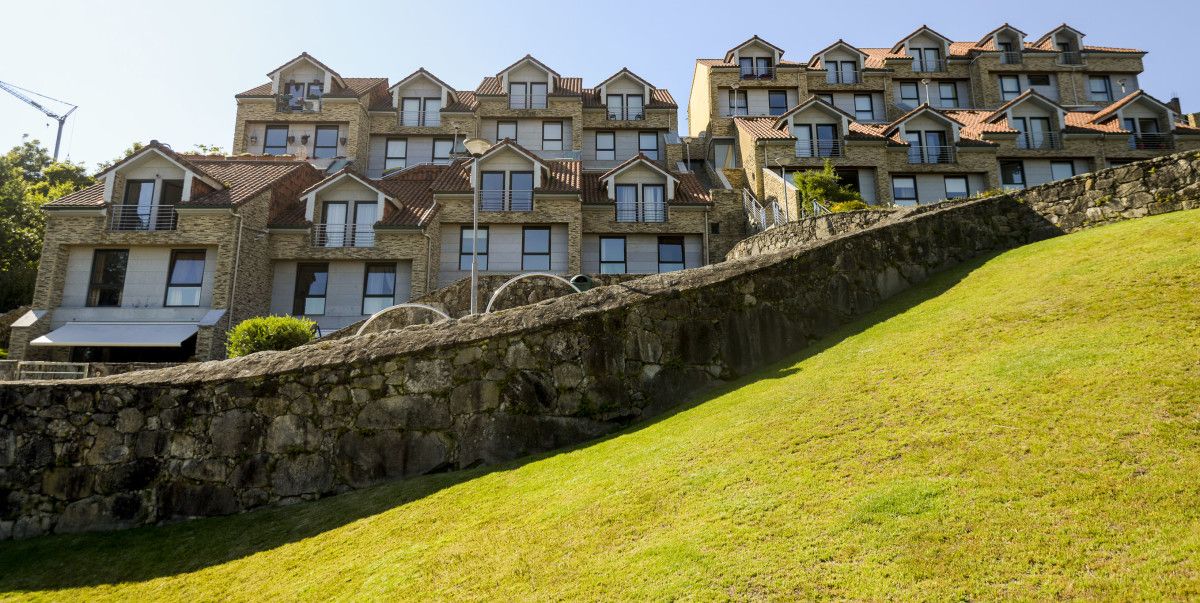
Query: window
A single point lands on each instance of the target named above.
(315, 90)
(612, 255)
(311, 282)
(627, 202)
(606, 146)
(841, 72)
(431, 114)
(634, 104)
(108, 278)
(910, 95)
(627, 106)
(491, 193)
(654, 206)
(552, 136)
(1099, 88)
(762, 65)
(714, 228)
(616, 106)
(326, 142)
(927, 59)
(537, 96)
(1012, 174)
(395, 154)
(1038, 79)
(737, 103)
(410, 111)
(746, 67)
(517, 98)
(956, 187)
(904, 190)
(184, 278)
(670, 254)
(535, 248)
(1061, 169)
(777, 101)
(648, 144)
(137, 212)
(465, 240)
(506, 129)
(1010, 87)
(864, 109)
(826, 98)
(379, 287)
(520, 191)
(442, 147)
(275, 141)
(948, 93)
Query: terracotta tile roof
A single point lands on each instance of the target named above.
(1111, 110)
(244, 179)
(412, 188)
(355, 88)
(464, 102)
(639, 158)
(760, 128)
(490, 86)
(90, 196)
(165, 150)
(688, 191)
(860, 131)
(563, 177)
(660, 98)
(975, 123)
(877, 56)
(1080, 122)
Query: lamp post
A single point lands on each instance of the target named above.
(475, 147)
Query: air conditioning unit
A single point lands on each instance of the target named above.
(312, 104)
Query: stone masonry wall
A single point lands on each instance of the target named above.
(275, 427)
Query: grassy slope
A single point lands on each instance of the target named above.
(1032, 431)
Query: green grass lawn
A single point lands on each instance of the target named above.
(1025, 427)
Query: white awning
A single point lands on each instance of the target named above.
(119, 335)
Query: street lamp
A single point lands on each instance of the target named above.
(475, 147)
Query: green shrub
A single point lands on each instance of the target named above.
(847, 206)
(823, 186)
(269, 333)
(3, 353)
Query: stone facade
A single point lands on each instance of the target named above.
(277, 427)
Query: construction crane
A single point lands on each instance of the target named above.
(18, 92)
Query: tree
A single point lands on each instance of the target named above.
(208, 149)
(823, 186)
(126, 154)
(29, 178)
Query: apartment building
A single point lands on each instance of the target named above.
(928, 118)
(348, 195)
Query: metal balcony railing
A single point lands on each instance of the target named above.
(133, 217)
(286, 103)
(926, 65)
(735, 112)
(931, 154)
(842, 76)
(641, 211)
(1039, 140)
(626, 113)
(420, 118)
(1070, 58)
(527, 101)
(1151, 142)
(758, 73)
(1011, 57)
(819, 148)
(343, 235)
(505, 200)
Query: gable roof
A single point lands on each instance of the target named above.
(1028, 95)
(411, 204)
(529, 58)
(660, 98)
(304, 56)
(812, 99)
(626, 72)
(636, 159)
(424, 72)
(1044, 41)
(353, 87)
(563, 176)
(512, 144)
(922, 29)
(1110, 111)
(983, 41)
(164, 150)
(754, 38)
(346, 172)
(922, 108)
(816, 57)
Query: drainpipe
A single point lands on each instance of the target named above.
(428, 259)
(707, 228)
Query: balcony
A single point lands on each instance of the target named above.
(819, 148)
(1151, 142)
(527, 101)
(133, 217)
(641, 211)
(931, 154)
(758, 73)
(928, 65)
(1011, 57)
(429, 119)
(286, 103)
(842, 76)
(1039, 140)
(506, 200)
(343, 235)
(1070, 58)
(626, 114)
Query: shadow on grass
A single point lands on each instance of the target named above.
(81, 560)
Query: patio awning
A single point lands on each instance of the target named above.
(118, 335)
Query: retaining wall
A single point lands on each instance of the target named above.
(275, 427)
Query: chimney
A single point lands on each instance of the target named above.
(1174, 104)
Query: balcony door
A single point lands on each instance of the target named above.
(333, 216)
(363, 229)
(804, 145)
(826, 140)
(1039, 132)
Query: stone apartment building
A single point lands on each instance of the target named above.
(346, 195)
(928, 118)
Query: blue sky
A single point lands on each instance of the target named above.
(167, 70)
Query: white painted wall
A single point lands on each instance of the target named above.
(343, 295)
(504, 250)
(641, 253)
(145, 277)
(420, 150)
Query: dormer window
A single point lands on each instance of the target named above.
(841, 72)
(418, 111)
(527, 95)
(1035, 133)
(641, 203)
(817, 140)
(625, 106)
(927, 59)
(928, 146)
(506, 191)
(756, 68)
(142, 208)
(299, 96)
